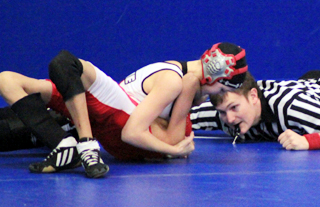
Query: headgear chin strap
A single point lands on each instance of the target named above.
(216, 66)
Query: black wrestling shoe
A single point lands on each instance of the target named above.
(59, 159)
(92, 162)
(64, 156)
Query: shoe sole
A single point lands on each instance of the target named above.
(50, 169)
(99, 174)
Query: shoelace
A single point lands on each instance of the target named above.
(91, 157)
(51, 153)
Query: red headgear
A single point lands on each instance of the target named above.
(217, 65)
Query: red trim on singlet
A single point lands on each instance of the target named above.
(106, 127)
(133, 101)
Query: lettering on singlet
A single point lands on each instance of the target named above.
(130, 78)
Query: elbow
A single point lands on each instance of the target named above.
(128, 136)
(125, 136)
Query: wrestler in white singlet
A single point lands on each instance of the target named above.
(110, 105)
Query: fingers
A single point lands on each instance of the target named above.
(290, 140)
(283, 136)
(187, 145)
(191, 136)
(286, 140)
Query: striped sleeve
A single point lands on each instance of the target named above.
(304, 114)
(295, 103)
(205, 117)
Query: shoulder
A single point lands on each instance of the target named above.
(168, 78)
(162, 66)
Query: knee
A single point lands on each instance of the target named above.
(65, 71)
(63, 65)
(5, 75)
(6, 79)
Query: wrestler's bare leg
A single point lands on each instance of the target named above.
(28, 98)
(14, 86)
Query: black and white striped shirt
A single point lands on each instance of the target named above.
(291, 105)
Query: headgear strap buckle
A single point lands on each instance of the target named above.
(216, 65)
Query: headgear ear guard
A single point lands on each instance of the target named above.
(217, 65)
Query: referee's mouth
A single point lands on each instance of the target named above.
(236, 127)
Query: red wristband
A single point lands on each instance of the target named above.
(314, 140)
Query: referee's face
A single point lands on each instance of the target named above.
(239, 109)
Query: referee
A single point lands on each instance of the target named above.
(283, 111)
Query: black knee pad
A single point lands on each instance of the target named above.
(65, 71)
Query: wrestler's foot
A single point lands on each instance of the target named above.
(63, 157)
(89, 151)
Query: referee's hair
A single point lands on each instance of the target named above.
(248, 84)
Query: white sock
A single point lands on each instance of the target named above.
(91, 145)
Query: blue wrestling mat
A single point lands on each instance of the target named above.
(216, 174)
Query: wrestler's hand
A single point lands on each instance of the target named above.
(185, 147)
(293, 141)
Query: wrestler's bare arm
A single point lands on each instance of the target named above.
(177, 125)
(166, 87)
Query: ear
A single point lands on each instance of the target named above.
(253, 94)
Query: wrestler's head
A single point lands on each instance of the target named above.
(224, 63)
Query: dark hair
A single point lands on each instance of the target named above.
(248, 83)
